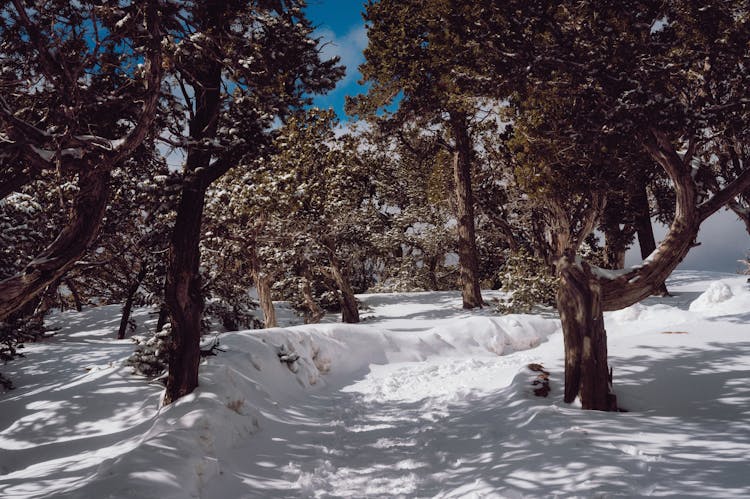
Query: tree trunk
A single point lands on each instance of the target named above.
(579, 303)
(645, 231)
(183, 297)
(614, 250)
(263, 283)
(468, 260)
(70, 245)
(128, 307)
(182, 292)
(76, 297)
(162, 319)
(349, 309)
(315, 313)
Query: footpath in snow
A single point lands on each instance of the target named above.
(422, 400)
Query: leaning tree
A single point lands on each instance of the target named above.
(590, 80)
(80, 87)
(237, 66)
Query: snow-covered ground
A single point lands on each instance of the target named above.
(421, 400)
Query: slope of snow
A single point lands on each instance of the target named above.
(421, 400)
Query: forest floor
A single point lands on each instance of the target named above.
(423, 399)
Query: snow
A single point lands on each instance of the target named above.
(423, 399)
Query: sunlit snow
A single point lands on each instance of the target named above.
(423, 399)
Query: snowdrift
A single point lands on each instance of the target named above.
(422, 400)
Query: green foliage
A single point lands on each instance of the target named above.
(150, 356)
(529, 280)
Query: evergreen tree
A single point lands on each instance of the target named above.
(239, 66)
(305, 208)
(73, 75)
(589, 80)
(410, 55)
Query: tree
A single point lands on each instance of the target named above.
(410, 174)
(314, 195)
(410, 55)
(72, 75)
(238, 66)
(590, 79)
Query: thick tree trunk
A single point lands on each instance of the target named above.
(183, 297)
(71, 243)
(263, 284)
(182, 292)
(579, 303)
(128, 307)
(468, 259)
(645, 231)
(349, 309)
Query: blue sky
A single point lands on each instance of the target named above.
(341, 27)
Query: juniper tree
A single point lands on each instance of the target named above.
(410, 176)
(238, 66)
(80, 85)
(305, 206)
(410, 57)
(590, 78)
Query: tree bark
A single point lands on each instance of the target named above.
(263, 284)
(182, 292)
(468, 259)
(579, 304)
(128, 307)
(645, 231)
(76, 297)
(349, 308)
(183, 297)
(86, 218)
(315, 313)
(641, 281)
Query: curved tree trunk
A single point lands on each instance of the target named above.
(468, 259)
(645, 231)
(349, 308)
(579, 303)
(643, 280)
(582, 296)
(86, 218)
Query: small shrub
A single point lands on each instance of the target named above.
(529, 280)
(150, 357)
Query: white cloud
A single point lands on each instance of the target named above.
(348, 47)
